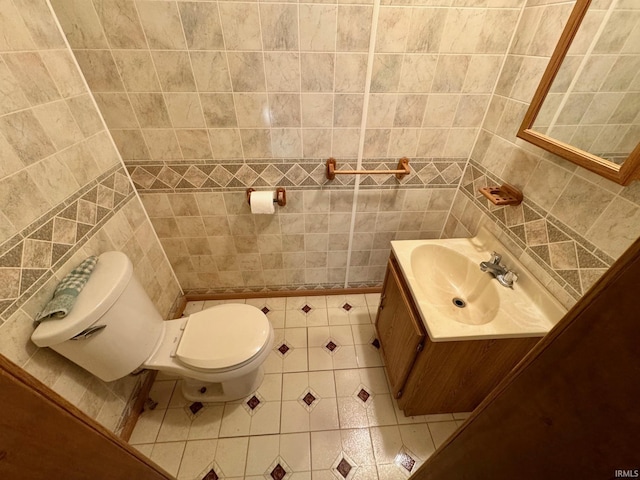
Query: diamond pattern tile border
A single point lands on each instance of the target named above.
(149, 176)
(59, 234)
(538, 233)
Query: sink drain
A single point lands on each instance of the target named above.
(458, 302)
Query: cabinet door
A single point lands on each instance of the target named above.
(399, 330)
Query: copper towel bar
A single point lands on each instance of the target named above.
(403, 169)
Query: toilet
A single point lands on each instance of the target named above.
(114, 329)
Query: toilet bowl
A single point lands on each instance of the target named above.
(114, 329)
(219, 359)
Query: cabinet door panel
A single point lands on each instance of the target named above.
(399, 331)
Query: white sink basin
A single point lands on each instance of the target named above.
(457, 301)
(454, 285)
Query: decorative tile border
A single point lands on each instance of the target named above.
(163, 177)
(566, 256)
(280, 288)
(30, 258)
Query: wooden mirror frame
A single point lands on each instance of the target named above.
(622, 174)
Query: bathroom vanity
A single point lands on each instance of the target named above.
(448, 331)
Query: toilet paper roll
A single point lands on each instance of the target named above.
(262, 202)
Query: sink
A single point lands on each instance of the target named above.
(454, 285)
(457, 301)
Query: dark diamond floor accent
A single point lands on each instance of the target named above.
(406, 461)
(253, 402)
(283, 349)
(363, 395)
(195, 407)
(309, 398)
(347, 307)
(344, 468)
(376, 343)
(306, 309)
(211, 475)
(265, 310)
(331, 346)
(278, 473)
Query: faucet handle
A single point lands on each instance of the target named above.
(511, 277)
(496, 258)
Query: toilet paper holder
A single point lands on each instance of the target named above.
(281, 196)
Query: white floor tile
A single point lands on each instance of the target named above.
(352, 413)
(206, 424)
(380, 411)
(294, 417)
(345, 357)
(271, 388)
(324, 416)
(373, 299)
(168, 455)
(192, 307)
(175, 426)
(441, 431)
(319, 359)
(323, 383)
(266, 419)
(262, 451)
(366, 472)
(197, 456)
(231, 456)
(368, 356)
(236, 421)
(357, 444)
(403, 419)
(363, 334)
(277, 318)
(387, 442)
(417, 439)
(325, 447)
(369, 431)
(295, 449)
(148, 426)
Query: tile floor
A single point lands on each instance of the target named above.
(323, 412)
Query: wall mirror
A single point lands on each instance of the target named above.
(587, 106)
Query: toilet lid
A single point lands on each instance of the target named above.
(223, 336)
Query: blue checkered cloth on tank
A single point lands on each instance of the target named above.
(67, 291)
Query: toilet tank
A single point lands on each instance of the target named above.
(112, 298)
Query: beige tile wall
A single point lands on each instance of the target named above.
(573, 224)
(216, 245)
(208, 98)
(64, 195)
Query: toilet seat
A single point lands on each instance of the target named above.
(222, 337)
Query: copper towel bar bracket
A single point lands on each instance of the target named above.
(403, 169)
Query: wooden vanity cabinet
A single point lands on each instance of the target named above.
(399, 328)
(437, 377)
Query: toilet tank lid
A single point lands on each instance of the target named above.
(107, 282)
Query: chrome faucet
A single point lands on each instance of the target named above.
(505, 277)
